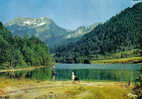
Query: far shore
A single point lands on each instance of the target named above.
(131, 60)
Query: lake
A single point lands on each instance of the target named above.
(113, 72)
(89, 72)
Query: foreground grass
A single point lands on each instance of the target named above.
(106, 92)
(120, 60)
(67, 90)
(5, 82)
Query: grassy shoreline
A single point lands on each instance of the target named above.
(82, 90)
(131, 60)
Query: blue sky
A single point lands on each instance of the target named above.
(68, 14)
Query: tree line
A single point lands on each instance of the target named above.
(16, 51)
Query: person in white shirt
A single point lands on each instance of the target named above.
(74, 78)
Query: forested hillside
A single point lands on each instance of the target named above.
(17, 52)
(121, 34)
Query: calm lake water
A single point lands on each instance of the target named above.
(113, 72)
(92, 72)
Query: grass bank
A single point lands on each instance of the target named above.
(32, 89)
(130, 60)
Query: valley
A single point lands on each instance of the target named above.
(41, 60)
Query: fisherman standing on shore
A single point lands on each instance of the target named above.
(73, 77)
(53, 73)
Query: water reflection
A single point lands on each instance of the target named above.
(114, 72)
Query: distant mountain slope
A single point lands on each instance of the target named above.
(46, 30)
(122, 32)
(43, 28)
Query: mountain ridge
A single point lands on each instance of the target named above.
(47, 30)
